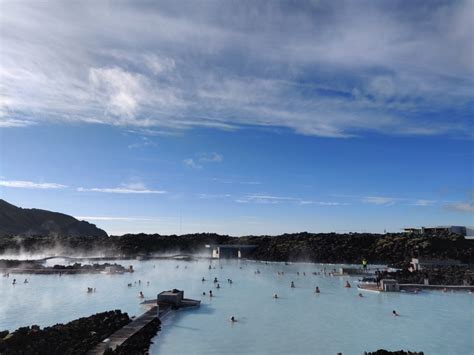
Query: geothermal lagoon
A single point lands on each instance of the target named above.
(298, 322)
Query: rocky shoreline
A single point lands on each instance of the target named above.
(75, 337)
(395, 248)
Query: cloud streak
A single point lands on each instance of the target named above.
(133, 188)
(31, 185)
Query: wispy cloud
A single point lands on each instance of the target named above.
(134, 188)
(272, 199)
(31, 185)
(390, 200)
(191, 163)
(202, 159)
(6, 122)
(462, 206)
(210, 157)
(424, 203)
(144, 142)
(230, 181)
(213, 196)
(379, 200)
(338, 69)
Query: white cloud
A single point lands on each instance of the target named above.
(462, 206)
(424, 203)
(379, 200)
(210, 157)
(132, 188)
(202, 159)
(31, 185)
(12, 122)
(120, 90)
(192, 164)
(213, 196)
(272, 199)
(143, 143)
(337, 70)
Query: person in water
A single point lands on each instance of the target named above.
(292, 284)
(347, 285)
(395, 314)
(204, 293)
(203, 279)
(210, 293)
(317, 290)
(361, 295)
(275, 295)
(14, 282)
(215, 280)
(26, 281)
(218, 286)
(232, 319)
(141, 295)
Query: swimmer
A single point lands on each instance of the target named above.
(210, 293)
(394, 313)
(230, 281)
(141, 295)
(232, 319)
(139, 282)
(203, 279)
(361, 295)
(215, 280)
(347, 285)
(275, 296)
(297, 273)
(292, 284)
(26, 281)
(204, 293)
(317, 290)
(210, 267)
(218, 286)
(14, 282)
(129, 285)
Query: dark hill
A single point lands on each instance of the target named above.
(34, 222)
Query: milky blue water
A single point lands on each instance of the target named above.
(298, 322)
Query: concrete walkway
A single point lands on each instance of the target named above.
(125, 333)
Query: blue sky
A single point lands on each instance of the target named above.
(239, 118)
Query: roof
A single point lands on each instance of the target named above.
(231, 246)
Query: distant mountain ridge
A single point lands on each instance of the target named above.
(36, 222)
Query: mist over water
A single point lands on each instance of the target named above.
(298, 322)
